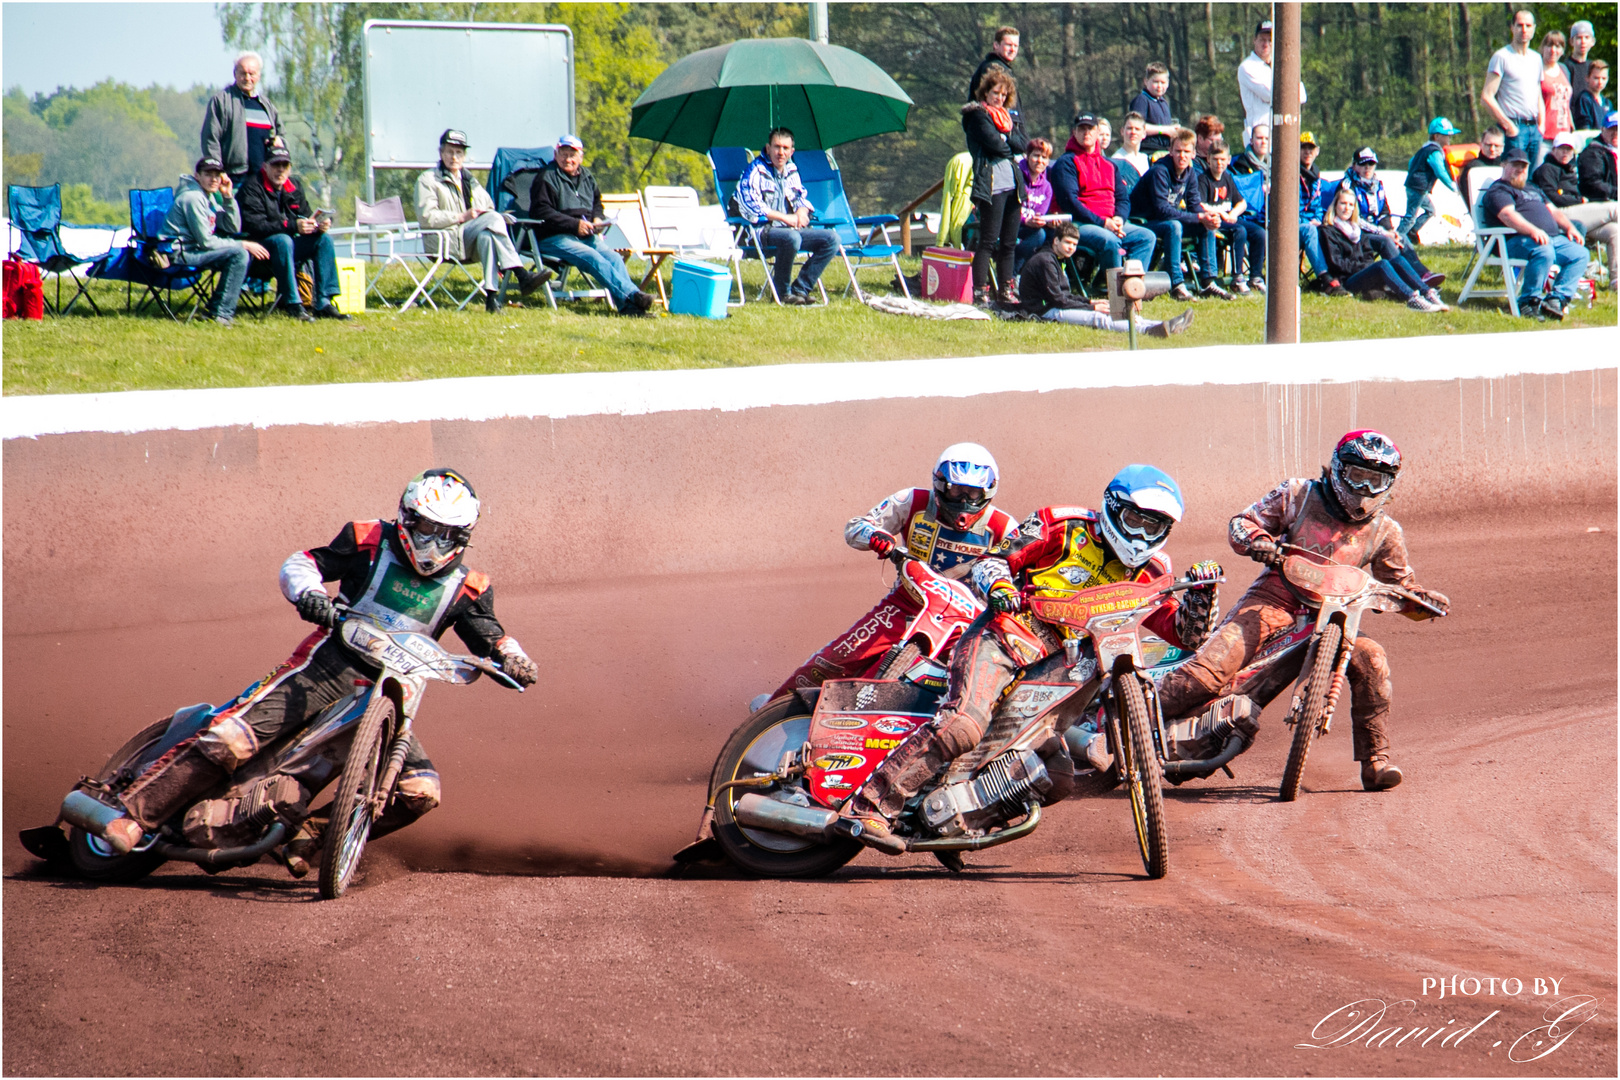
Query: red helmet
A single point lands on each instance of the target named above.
(1363, 470)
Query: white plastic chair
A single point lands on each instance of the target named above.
(385, 222)
(1490, 246)
(676, 219)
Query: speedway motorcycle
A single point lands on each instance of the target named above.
(777, 785)
(362, 739)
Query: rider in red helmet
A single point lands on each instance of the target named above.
(1340, 516)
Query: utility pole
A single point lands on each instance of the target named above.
(1282, 217)
(818, 21)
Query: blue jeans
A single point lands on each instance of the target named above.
(1569, 256)
(1168, 232)
(1104, 246)
(1029, 242)
(1391, 275)
(1310, 242)
(287, 253)
(822, 244)
(1248, 242)
(232, 262)
(1404, 254)
(1419, 209)
(1528, 139)
(603, 265)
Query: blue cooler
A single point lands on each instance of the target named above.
(699, 288)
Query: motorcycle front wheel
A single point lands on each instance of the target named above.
(91, 856)
(1310, 717)
(754, 749)
(1144, 779)
(351, 802)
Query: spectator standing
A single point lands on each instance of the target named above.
(1256, 158)
(1247, 239)
(1310, 215)
(277, 213)
(1557, 94)
(1512, 90)
(1254, 82)
(1353, 257)
(1591, 108)
(994, 135)
(1088, 187)
(205, 219)
(1581, 39)
(1003, 51)
(566, 202)
(1035, 217)
(1427, 167)
(458, 215)
(1154, 109)
(1491, 145)
(1131, 135)
(1546, 238)
(771, 194)
(238, 120)
(1559, 181)
(1045, 293)
(1167, 199)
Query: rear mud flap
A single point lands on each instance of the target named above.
(47, 842)
(706, 850)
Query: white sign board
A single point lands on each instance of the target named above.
(504, 84)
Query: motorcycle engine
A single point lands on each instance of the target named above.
(215, 823)
(999, 790)
(1202, 736)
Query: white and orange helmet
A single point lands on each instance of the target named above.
(436, 518)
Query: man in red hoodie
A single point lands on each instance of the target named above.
(1086, 186)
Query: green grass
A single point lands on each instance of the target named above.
(82, 353)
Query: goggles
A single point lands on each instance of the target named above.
(964, 493)
(1368, 481)
(1143, 523)
(443, 537)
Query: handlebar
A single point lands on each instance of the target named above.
(488, 667)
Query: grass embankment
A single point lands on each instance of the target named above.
(83, 353)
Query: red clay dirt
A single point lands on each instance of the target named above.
(550, 941)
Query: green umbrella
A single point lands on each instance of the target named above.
(732, 95)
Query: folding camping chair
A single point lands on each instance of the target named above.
(37, 214)
(825, 184)
(405, 244)
(511, 175)
(676, 219)
(1490, 246)
(148, 211)
(627, 212)
(728, 164)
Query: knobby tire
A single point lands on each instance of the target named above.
(1144, 777)
(1315, 694)
(350, 824)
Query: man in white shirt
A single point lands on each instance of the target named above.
(1513, 88)
(1254, 82)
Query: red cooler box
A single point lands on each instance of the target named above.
(947, 274)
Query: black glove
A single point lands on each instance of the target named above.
(316, 607)
(882, 543)
(1005, 599)
(520, 668)
(1263, 549)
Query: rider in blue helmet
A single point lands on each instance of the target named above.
(1058, 550)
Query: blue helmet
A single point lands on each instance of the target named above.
(1139, 506)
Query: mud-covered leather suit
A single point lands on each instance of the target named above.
(911, 516)
(376, 578)
(1300, 512)
(1057, 549)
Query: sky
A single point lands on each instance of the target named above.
(74, 44)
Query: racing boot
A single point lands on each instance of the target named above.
(305, 846)
(903, 773)
(1377, 774)
(157, 793)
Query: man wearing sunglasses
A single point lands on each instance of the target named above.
(1339, 516)
(406, 575)
(1057, 551)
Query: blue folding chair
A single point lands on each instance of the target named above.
(825, 185)
(519, 166)
(149, 247)
(729, 163)
(37, 214)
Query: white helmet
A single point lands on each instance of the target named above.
(964, 483)
(436, 518)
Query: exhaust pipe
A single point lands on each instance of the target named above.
(88, 813)
(1197, 770)
(755, 811)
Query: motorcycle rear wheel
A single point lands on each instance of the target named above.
(92, 858)
(1143, 777)
(1316, 691)
(755, 748)
(351, 802)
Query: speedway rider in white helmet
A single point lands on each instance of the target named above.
(948, 526)
(1339, 516)
(1058, 550)
(406, 575)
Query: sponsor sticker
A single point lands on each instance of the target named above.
(843, 723)
(839, 761)
(881, 744)
(891, 725)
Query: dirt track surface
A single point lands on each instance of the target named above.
(1054, 955)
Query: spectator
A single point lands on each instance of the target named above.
(1557, 93)
(1491, 145)
(204, 218)
(1254, 82)
(1257, 158)
(1045, 292)
(1154, 109)
(1169, 184)
(1003, 51)
(994, 135)
(456, 212)
(771, 194)
(1035, 216)
(1208, 129)
(1591, 109)
(1354, 259)
(1105, 135)
(1310, 215)
(1546, 238)
(238, 120)
(1373, 203)
(1427, 166)
(1088, 187)
(1596, 165)
(1576, 64)
(1131, 135)
(1512, 90)
(277, 212)
(567, 205)
(1248, 240)
(1559, 182)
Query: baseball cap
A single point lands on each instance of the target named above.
(1564, 139)
(1613, 119)
(1515, 154)
(1308, 138)
(1441, 126)
(1263, 28)
(210, 163)
(570, 140)
(452, 137)
(1085, 119)
(275, 149)
(1365, 156)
